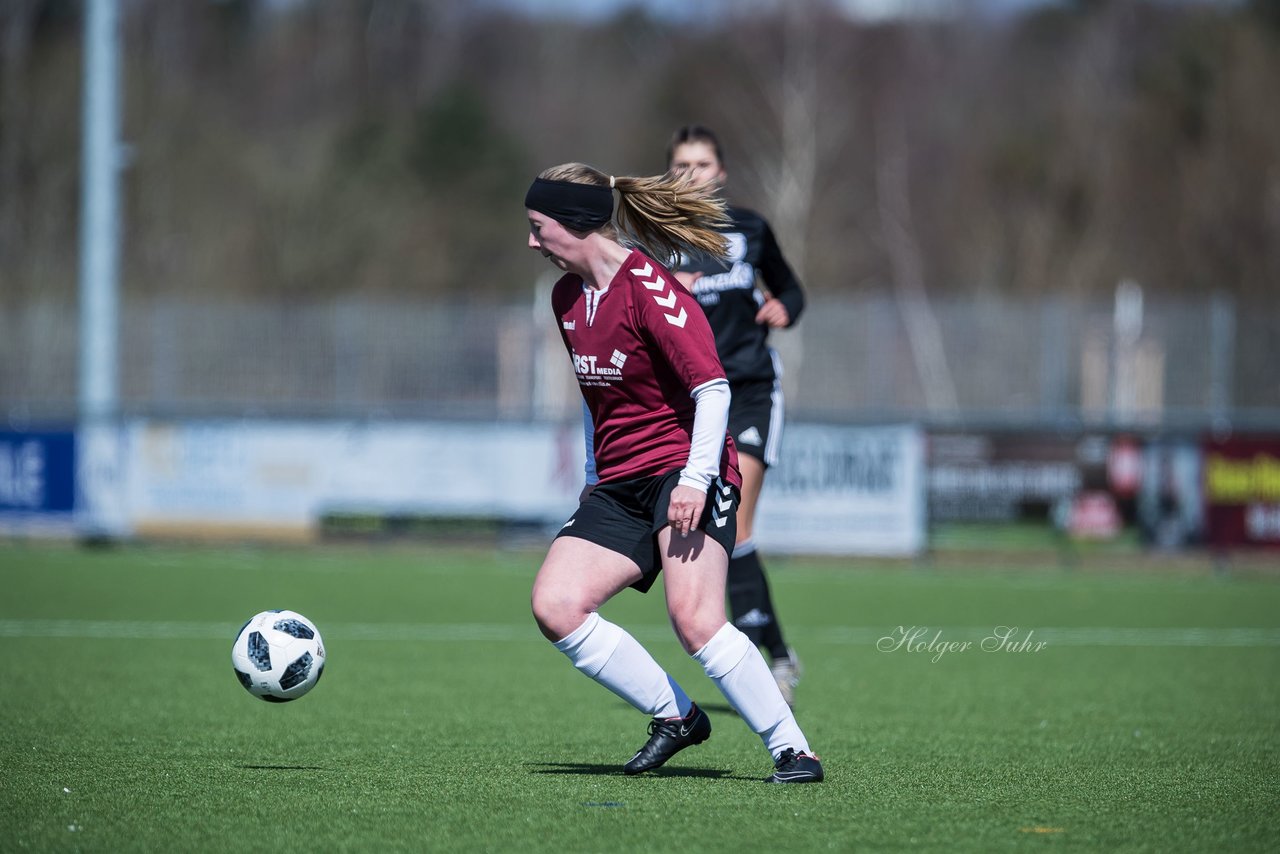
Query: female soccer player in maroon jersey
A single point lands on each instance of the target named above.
(741, 317)
(662, 478)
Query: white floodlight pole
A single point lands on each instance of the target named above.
(99, 506)
(99, 213)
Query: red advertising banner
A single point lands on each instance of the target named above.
(1242, 491)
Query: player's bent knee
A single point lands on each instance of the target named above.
(696, 630)
(556, 613)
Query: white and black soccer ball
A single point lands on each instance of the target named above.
(278, 656)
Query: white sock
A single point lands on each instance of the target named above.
(732, 661)
(616, 660)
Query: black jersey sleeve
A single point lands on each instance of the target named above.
(778, 276)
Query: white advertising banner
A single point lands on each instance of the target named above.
(278, 478)
(845, 490)
(836, 490)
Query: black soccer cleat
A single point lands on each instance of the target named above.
(667, 737)
(792, 767)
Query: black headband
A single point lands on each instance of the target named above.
(580, 207)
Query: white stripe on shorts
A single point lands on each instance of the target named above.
(773, 444)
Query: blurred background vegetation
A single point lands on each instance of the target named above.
(379, 148)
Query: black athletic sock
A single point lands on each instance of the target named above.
(751, 605)
(771, 634)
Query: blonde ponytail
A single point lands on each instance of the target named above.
(664, 214)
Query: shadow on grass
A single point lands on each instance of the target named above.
(597, 769)
(283, 767)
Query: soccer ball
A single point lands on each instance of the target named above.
(278, 656)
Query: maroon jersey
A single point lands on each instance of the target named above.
(639, 347)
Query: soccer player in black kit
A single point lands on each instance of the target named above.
(741, 317)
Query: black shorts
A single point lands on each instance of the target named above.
(625, 516)
(755, 419)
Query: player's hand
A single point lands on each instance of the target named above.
(773, 314)
(687, 278)
(685, 509)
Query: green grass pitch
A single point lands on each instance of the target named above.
(1148, 719)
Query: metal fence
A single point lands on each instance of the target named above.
(855, 359)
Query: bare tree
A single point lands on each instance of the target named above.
(893, 201)
(17, 18)
(775, 113)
